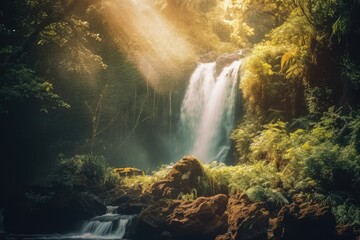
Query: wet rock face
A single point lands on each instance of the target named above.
(226, 59)
(203, 218)
(305, 220)
(186, 175)
(247, 220)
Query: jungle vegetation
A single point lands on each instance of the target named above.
(74, 95)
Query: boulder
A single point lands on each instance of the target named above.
(203, 218)
(131, 204)
(247, 220)
(186, 175)
(304, 220)
(51, 212)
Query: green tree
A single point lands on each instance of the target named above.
(32, 29)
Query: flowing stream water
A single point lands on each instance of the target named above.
(110, 226)
(208, 111)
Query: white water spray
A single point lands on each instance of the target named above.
(208, 111)
(109, 225)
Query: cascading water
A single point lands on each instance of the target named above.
(208, 111)
(109, 225)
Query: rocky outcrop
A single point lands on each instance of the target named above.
(304, 220)
(203, 218)
(247, 220)
(131, 204)
(226, 59)
(186, 175)
(348, 232)
(51, 212)
(226, 236)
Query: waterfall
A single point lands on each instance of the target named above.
(110, 224)
(208, 111)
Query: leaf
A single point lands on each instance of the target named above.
(286, 58)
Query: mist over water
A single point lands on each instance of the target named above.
(208, 111)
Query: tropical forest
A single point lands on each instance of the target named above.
(180, 119)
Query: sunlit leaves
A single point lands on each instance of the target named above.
(319, 152)
(243, 136)
(80, 59)
(67, 32)
(260, 79)
(270, 144)
(276, 69)
(286, 58)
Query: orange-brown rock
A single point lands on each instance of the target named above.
(247, 220)
(226, 236)
(186, 175)
(304, 220)
(203, 218)
(128, 172)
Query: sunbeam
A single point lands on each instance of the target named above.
(157, 48)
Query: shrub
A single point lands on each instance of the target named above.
(88, 169)
(243, 137)
(347, 214)
(144, 182)
(322, 153)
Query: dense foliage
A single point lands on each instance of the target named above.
(300, 85)
(80, 170)
(300, 82)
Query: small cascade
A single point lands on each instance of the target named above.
(208, 111)
(110, 224)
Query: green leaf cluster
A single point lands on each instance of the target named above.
(322, 152)
(22, 84)
(80, 169)
(274, 74)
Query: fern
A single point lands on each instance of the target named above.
(188, 197)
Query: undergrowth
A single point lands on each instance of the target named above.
(144, 182)
(316, 157)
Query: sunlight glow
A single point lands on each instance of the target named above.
(152, 42)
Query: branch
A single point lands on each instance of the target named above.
(137, 123)
(51, 18)
(133, 129)
(306, 15)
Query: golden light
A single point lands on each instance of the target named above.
(157, 48)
